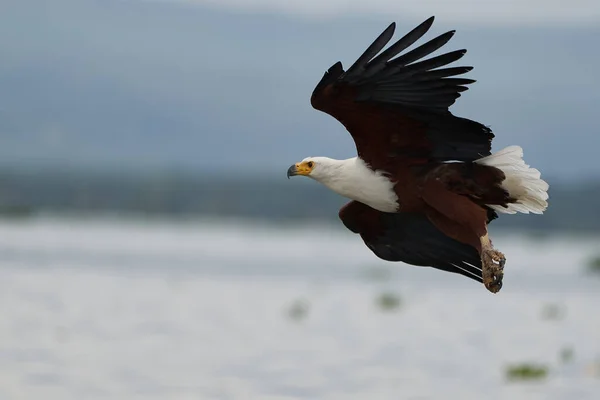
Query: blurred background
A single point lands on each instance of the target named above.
(152, 248)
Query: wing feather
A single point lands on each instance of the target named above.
(372, 50)
(397, 109)
(410, 238)
(378, 63)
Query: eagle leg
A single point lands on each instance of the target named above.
(492, 265)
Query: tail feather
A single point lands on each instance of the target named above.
(523, 183)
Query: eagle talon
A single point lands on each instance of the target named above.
(493, 269)
(498, 259)
(501, 263)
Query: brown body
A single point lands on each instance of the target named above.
(453, 197)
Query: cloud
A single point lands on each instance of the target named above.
(471, 12)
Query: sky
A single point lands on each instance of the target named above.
(472, 12)
(224, 86)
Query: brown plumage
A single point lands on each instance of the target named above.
(396, 110)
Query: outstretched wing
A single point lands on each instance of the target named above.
(397, 108)
(410, 238)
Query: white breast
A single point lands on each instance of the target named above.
(352, 178)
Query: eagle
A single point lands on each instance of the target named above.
(424, 185)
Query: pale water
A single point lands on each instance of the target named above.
(109, 309)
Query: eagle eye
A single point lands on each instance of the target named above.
(310, 164)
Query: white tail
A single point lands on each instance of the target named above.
(522, 182)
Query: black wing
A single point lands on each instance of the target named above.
(410, 238)
(397, 104)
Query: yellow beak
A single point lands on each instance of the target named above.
(300, 168)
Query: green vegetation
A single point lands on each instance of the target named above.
(566, 355)
(594, 265)
(388, 301)
(8, 211)
(377, 273)
(298, 310)
(538, 235)
(553, 311)
(526, 372)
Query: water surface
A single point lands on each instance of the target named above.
(117, 309)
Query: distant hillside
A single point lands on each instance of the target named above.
(127, 84)
(572, 207)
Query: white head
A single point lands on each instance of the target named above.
(317, 168)
(351, 178)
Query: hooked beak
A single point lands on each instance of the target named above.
(302, 168)
(292, 171)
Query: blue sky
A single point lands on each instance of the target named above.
(225, 85)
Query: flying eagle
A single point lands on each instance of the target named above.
(425, 184)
